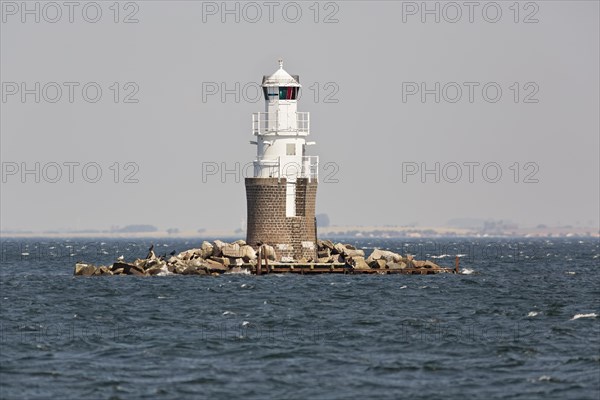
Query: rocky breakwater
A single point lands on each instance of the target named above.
(219, 257)
(377, 260)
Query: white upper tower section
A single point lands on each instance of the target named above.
(281, 131)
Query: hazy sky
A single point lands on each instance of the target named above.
(374, 61)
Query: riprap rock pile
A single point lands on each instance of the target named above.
(213, 258)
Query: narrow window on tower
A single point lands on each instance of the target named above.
(271, 93)
(290, 149)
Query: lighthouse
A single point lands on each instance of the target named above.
(282, 193)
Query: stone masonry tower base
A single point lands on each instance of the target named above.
(267, 221)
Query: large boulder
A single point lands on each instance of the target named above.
(217, 246)
(206, 249)
(159, 269)
(248, 253)
(338, 258)
(196, 263)
(184, 255)
(354, 253)
(322, 244)
(338, 248)
(347, 250)
(127, 268)
(193, 270)
(136, 271)
(377, 264)
(172, 260)
(231, 250)
(105, 271)
(213, 265)
(189, 270)
(395, 265)
(141, 263)
(430, 264)
(324, 253)
(190, 254)
(122, 265)
(360, 263)
(83, 269)
(235, 262)
(268, 252)
(224, 261)
(386, 255)
(154, 263)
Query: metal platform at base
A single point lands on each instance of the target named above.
(340, 268)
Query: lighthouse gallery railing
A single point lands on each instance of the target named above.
(268, 123)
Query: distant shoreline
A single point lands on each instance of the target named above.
(374, 232)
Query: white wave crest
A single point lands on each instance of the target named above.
(532, 313)
(164, 271)
(590, 315)
(236, 271)
(467, 271)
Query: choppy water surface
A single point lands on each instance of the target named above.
(524, 325)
